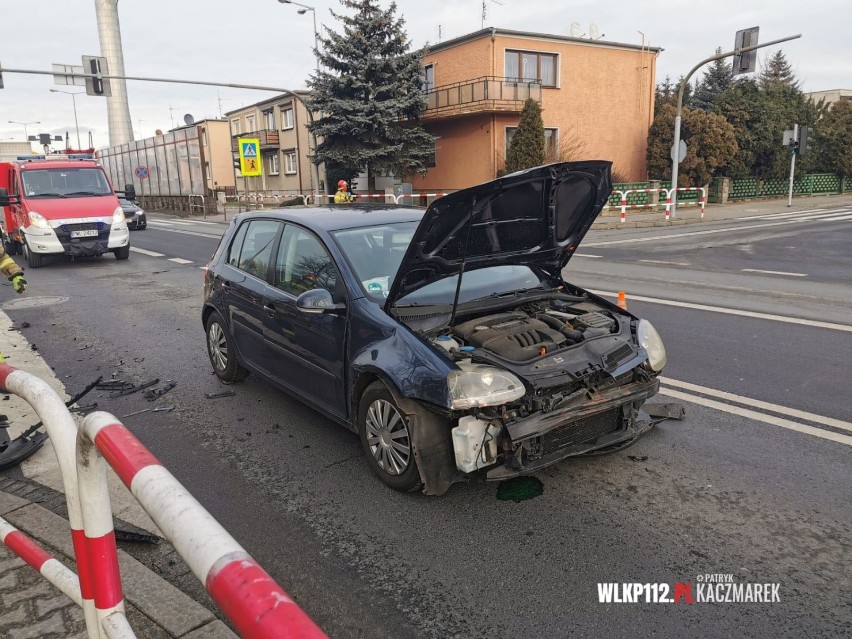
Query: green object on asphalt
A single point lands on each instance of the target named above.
(519, 489)
(19, 283)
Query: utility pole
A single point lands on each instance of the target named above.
(792, 165)
(736, 52)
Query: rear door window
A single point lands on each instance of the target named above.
(251, 249)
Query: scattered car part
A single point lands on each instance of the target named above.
(163, 409)
(13, 452)
(227, 393)
(133, 389)
(155, 393)
(138, 412)
(136, 537)
(671, 410)
(84, 409)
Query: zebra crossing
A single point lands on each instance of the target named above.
(828, 215)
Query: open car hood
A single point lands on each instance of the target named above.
(535, 217)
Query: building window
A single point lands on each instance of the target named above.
(290, 162)
(428, 77)
(287, 117)
(272, 164)
(250, 124)
(269, 120)
(527, 66)
(432, 160)
(204, 136)
(551, 139)
(235, 127)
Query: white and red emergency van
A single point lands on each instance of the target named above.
(61, 205)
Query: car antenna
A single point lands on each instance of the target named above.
(463, 262)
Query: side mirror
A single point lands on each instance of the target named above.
(129, 192)
(318, 300)
(6, 199)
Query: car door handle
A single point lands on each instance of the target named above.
(269, 308)
(226, 284)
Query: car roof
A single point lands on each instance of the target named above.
(335, 218)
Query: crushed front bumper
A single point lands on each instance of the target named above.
(611, 419)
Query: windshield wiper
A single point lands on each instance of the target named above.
(46, 195)
(85, 193)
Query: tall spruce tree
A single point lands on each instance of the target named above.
(717, 78)
(526, 149)
(777, 73)
(368, 97)
(664, 93)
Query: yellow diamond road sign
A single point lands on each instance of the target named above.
(249, 156)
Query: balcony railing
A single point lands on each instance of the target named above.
(487, 94)
(268, 139)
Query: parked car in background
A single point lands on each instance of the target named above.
(446, 338)
(133, 214)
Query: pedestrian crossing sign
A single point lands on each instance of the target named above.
(249, 156)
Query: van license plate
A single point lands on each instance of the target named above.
(92, 233)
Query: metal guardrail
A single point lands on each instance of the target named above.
(248, 596)
(668, 201)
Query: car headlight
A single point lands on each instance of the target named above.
(650, 340)
(476, 385)
(38, 221)
(117, 216)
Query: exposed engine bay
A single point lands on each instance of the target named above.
(580, 365)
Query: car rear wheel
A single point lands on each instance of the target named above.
(34, 260)
(220, 349)
(122, 253)
(386, 439)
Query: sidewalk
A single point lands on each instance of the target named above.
(691, 214)
(31, 499)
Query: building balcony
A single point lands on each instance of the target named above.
(480, 95)
(268, 139)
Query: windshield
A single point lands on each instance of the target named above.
(375, 253)
(75, 182)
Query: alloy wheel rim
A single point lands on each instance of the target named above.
(388, 437)
(218, 346)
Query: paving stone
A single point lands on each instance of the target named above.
(9, 581)
(213, 630)
(9, 502)
(14, 617)
(46, 605)
(9, 561)
(158, 599)
(41, 588)
(52, 625)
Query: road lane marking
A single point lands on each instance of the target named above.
(756, 403)
(587, 255)
(665, 262)
(760, 417)
(195, 233)
(727, 229)
(730, 311)
(180, 260)
(768, 216)
(146, 252)
(758, 270)
(158, 223)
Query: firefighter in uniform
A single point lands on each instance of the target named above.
(12, 271)
(343, 196)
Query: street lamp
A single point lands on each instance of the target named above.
(304, 9)
(74, 100)
(25, 124)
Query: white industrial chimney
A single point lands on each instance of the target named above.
(109, 34)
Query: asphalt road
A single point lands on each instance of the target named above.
(756, 484)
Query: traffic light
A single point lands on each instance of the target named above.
(236, 163)
(96, 65)
(745, 62)
(804, 134)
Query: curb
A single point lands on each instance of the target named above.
(173, 612)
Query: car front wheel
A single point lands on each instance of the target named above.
(386, 439)
(220, 349)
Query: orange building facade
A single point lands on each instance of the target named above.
(597, 102)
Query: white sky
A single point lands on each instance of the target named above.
(264, 42)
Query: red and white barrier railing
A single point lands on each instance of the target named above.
(623, 195)
(256, 605)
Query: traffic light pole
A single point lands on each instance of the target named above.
(683, 83)
(230, 85)
(793, 164)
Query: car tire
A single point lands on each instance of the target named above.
(386, 439)
(122, 253)
(221, 351)
(34, 260)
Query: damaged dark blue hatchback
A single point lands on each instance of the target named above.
(446, 338)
